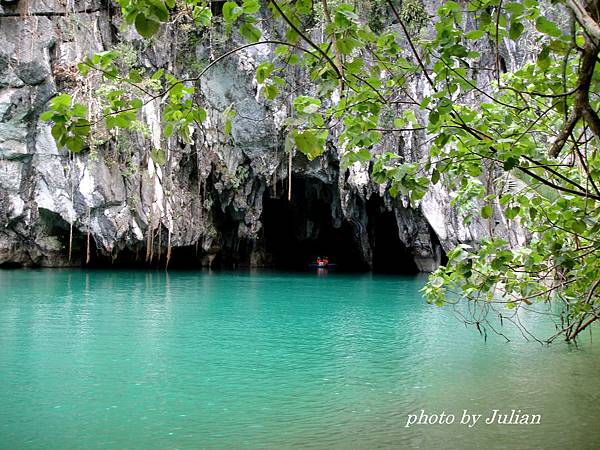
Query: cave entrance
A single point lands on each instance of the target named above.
(389, 253)
(235, 251)
(296, 232)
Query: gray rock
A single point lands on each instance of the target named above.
(31, 73)
(208, 202)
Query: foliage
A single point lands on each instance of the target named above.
(70, 122)
(413, 14)
(520, 150)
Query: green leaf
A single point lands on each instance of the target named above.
(79, 110)
(515, 8)
(158, 156)
(293, 59)
(137, 103)
(61, 100)
(457, 50)
(270, 91)
(513, 212)
(304, 6)
(84, 69)
(202, 16)
(475, 34)
(291, 36)
(231, 11)
(355, 66)
(310, 142)
(361, 155)
(516, 29)
(307, 105)
(251, 6)
(579, 227)
(263, 70)
(156, 75)
(548, 27)
(75, 144)
(146, 27)
(250, 32)
(434, 117)
(543, 60)
(282, 51)
(436, 282)
(58, 131)
(135, 77)
(159, 9)
(346, 44)
(485, 19)
(200, 115)
(81, 127)
(510, 163)
(46, 116)
(486, 212)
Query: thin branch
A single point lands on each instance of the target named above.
(541, 94)
(564, 135)
(338, 57)
(306, 39)
(412, 46)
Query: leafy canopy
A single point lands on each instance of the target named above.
(516, 148)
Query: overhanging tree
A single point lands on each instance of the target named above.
(523, 144)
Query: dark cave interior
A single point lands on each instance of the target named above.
(389, 253)
(235, 252)
(296, 233)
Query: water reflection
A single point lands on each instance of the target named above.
(228, 360)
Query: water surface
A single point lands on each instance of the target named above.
(133, 359)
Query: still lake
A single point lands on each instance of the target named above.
(182, 360)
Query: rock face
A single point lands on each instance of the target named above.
(218, 199)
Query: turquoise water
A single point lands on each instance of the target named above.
(149, 360)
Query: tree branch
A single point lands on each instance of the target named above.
(412, 46)
(591, 27)
(306, 39)
(563, 136)
(338, 57)
(581, 107)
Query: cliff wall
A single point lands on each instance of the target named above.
(217, 199)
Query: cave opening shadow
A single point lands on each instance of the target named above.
(297, 232)
(390, 255)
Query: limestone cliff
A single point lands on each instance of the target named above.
(217, 197)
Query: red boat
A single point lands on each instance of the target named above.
(322, 264)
